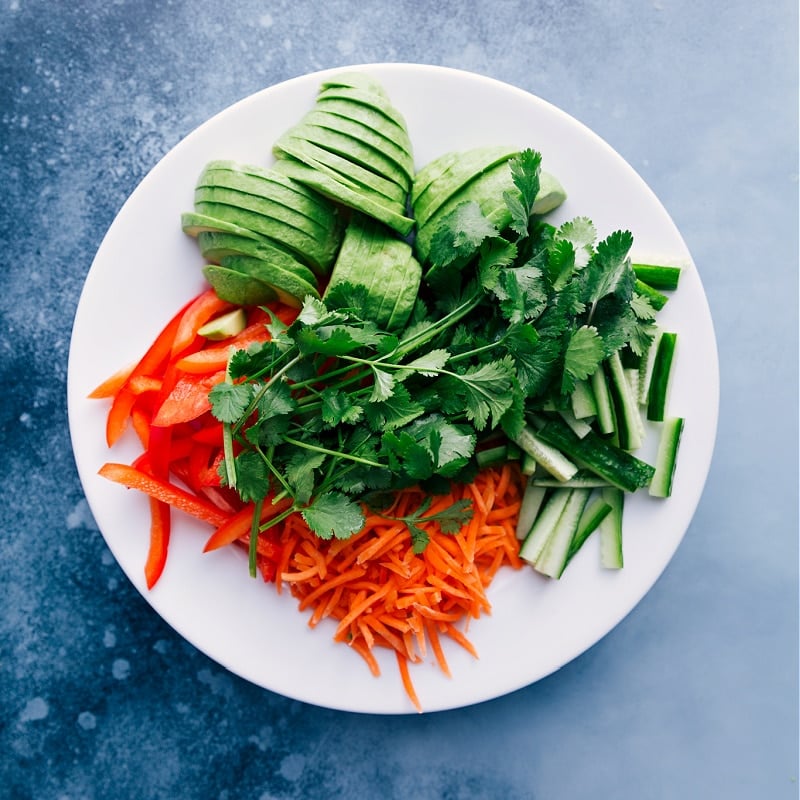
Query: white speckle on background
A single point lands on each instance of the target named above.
(292, 766)
(112, 584)
(121, 668)
(161, 647)
(346, 46)
(287, 45)
(109, 637)
(219, 684)
(81, 517)
(87, 720)
(262, 740)
(265, 21)
(107, 558)
(25, 419)
(35, 709)
(13, 5)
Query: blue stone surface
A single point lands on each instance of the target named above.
(694, 695)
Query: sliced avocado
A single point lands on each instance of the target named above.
(464, 170)
(304, 247)
(224, 326)
(351, 149)
(358, 86)
(346, 194)
(216, 246)
(343, 168)
(551, 194)
(355, 109)
(194, 223)
(373, 257)
(488, 191)
(237, 287)
(319, 211)
(288, 286)
(262, 205)
(371, 137)
(432, 171)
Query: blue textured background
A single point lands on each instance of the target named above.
(694, 695)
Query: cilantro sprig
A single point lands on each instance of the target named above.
(332, 408)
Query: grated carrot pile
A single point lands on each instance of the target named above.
(382, 594)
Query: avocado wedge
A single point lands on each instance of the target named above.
(304, 247)
(289, 287)
(346, 193)
(372, 257)
(237, 287)
(464, 170)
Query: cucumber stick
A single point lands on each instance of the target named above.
(659, 380)
(532, 500)
(666, 458)
(536, 540)
(629, 424)
(610, 530)
(619, 467)
(555, 462)
(594, 513)
(554, 555)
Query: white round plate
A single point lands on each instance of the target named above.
(146, 268)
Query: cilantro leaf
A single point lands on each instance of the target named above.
(485, 390)
(334, 515)
(394, 412)
(428, 364)
(460, 234)
(229, 401)
(338, 407)
(582, 357)
(299, 473)
(609, 270)
(525, 168)
(252, 476)
(384, 385)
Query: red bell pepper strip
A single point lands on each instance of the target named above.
(150, 364)
(160, 524)
(205, 306)
(240, 524)
(112, 384)
(188, 399)
(165, 491)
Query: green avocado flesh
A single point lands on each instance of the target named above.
(469, 166)
(341, 168)
(347, 194)
(237, 287)
(372, 257)
(290, 288)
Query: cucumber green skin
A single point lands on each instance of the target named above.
(341, 168)
(659, 380)
(215, 246)
(318, 210)
(348, 195)
(666, 457)
(659, 277)
(463, 171)
(237, 287)
(617, 466)
(372, 257)
(289, 287)
(374, 139)
(305, 247)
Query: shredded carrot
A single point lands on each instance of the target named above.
(382, 594)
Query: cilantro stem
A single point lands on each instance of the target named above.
(253, 549)
(336, 453)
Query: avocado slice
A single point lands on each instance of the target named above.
(343, 169)
(374, 258)
(268, 183)
(194, 223)
(289, 287)
(237, 287)
(431, 172)
(488, 191)
(358, 110)
(224, 326)
(351, 149)
(469, 166)
(362, 88)
(216, 246)
(304, 247)
(371, 137)
(346, 193)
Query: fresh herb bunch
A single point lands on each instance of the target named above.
(333, 411)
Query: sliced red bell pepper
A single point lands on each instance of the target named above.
(165, 491)
(160, 524)
(240, 524)
(188, 399)
(205, 306)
